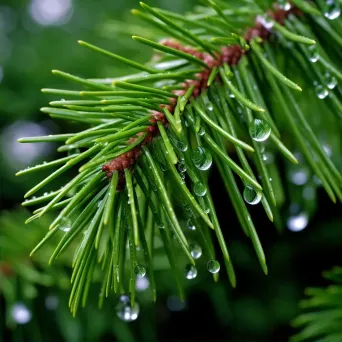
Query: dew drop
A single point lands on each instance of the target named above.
(178, 144)
(190, 271)
(202, 158)
(65, 224)
(191, 226)
(284, 5)
(195, 250)
(142, 284)
(251, 196)
(20, 313)
(321, 91)
(332, 9)
(201, 131)
(200, 189)
(46, 193)
(139, 271)
(299, 177)
(298, 222)
(213, 266)
(181, 167)
(125, 311)
(313, 54)
(330, 81)
(259, 130)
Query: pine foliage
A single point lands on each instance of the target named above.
(218, 86)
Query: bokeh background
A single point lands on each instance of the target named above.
(40, 35)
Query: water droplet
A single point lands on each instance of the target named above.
(201, 131)
(332, 9)
(20, 313)
(213, 266)
(160, 225)
(265, 21)
(200, 189)
(44, 162)
(181, 167)
(298, 222)
(330, 81)
(65, 224)
(142, 284)
(259, 130)
(299, 177)
(177, 143)
(284, 5)
(321, 91)
(175, 304)
(202, 158)
(140, 271)
(313, 53)
(195, 250)
(210, 106)
(191, 226)
(51, 302)
(154, 187)
(163, 167)
(309, 193)
(125, 311)
(190, 271)
(251, 196)
(46, 193)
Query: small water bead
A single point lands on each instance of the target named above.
(181, 167)
(284, 5)
(330, 81)
(313, 54)
(213, 266)
(65, 224)
(20, 313)
(202, 158)
(51, 302)
(259, 130)
(200, 189)
(201, 131)
(139, 271)
(177, 143)
(321, 91)
(142, 284)
(251, 196)
(191, 226)
(332, 9)
(125, 311)
(298, 222)
(195, 250)
(190, 271)
(299, 177)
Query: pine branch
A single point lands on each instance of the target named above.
(143, 162)
(322, 316)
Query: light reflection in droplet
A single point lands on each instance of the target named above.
(20, 313)
(298, 222)
(142, 284)
(51, 12)
(19, 154)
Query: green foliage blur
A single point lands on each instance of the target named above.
(37, 36)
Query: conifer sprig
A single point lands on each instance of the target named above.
(143, 163)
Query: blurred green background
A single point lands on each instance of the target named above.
(40, 35)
